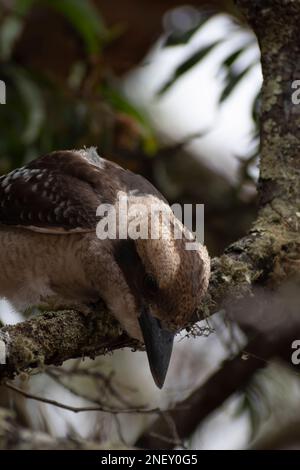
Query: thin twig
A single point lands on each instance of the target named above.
(97, 376)
(76, 409)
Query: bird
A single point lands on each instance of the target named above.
(52, 256)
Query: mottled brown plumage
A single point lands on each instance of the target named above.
(63, 189)
(51, 256)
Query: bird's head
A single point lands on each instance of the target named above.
(167, 282)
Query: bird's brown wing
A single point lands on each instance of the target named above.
(60, 192)
(55, 193)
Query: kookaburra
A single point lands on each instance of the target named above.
(51, 256)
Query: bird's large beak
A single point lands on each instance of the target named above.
(159, 345)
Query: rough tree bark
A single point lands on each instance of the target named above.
(267, 256)
(51, 338)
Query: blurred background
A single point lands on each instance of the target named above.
(171, 91)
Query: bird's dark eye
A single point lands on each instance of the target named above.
(150, 283)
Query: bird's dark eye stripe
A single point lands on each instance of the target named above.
(126, 254)
(150, 283)
(134, 270)
(130, 263)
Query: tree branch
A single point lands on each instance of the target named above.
(81, 409)
(53, 337)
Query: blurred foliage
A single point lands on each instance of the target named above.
(233, 75)
(69, 97)
(185, 66)
(83, 16)
(86, 109)
(233, 67)
(264, 396)
(256, 403)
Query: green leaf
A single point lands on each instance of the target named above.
(232, 76)
(256, 108)
(233, 79)
(120, 103)
(21, 7)
(11, 28)
(231, 59)
(34, 105)
(193, 60)
(177, 39)
(86, 19)
(81, 14)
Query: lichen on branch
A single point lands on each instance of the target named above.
(53, 337)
